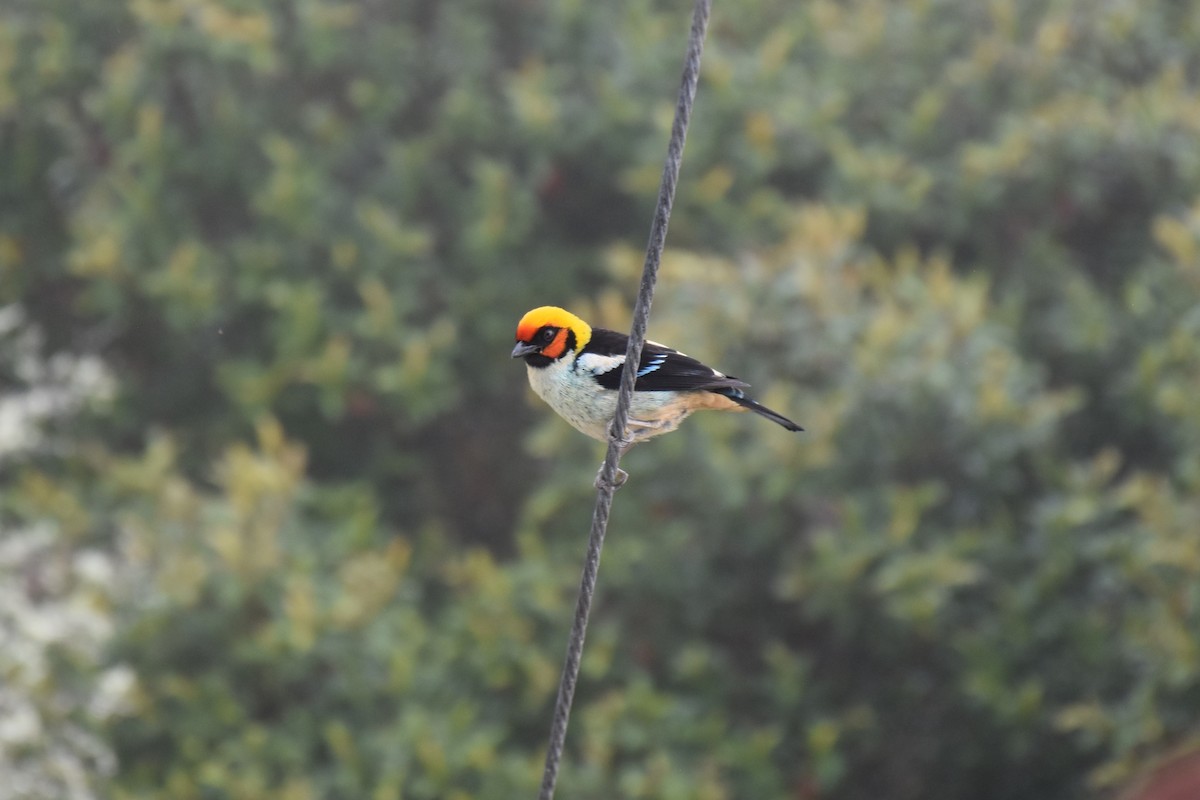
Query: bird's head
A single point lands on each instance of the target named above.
(546, 334)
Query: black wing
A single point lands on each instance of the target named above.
(660, 369)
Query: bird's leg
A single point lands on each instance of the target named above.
(621, 475)
(618, 479)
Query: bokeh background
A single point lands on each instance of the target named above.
(280, 517)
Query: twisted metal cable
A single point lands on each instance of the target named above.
(637, 337)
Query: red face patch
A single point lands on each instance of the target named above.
(557, 347)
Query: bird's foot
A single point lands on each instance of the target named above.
(618, 479)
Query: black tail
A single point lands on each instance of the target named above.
(758, 408)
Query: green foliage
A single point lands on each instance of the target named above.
(269, 670)
(270, 474)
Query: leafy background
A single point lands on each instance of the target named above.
(280, 518)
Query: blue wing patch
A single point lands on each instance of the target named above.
(652, 365)
(660, 369)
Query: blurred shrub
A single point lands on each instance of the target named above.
(57, 589)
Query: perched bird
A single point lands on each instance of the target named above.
(577, 370)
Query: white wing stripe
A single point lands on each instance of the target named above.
(597, 364)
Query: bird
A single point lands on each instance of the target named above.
(576, 369)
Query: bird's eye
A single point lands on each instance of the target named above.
(547, 334)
